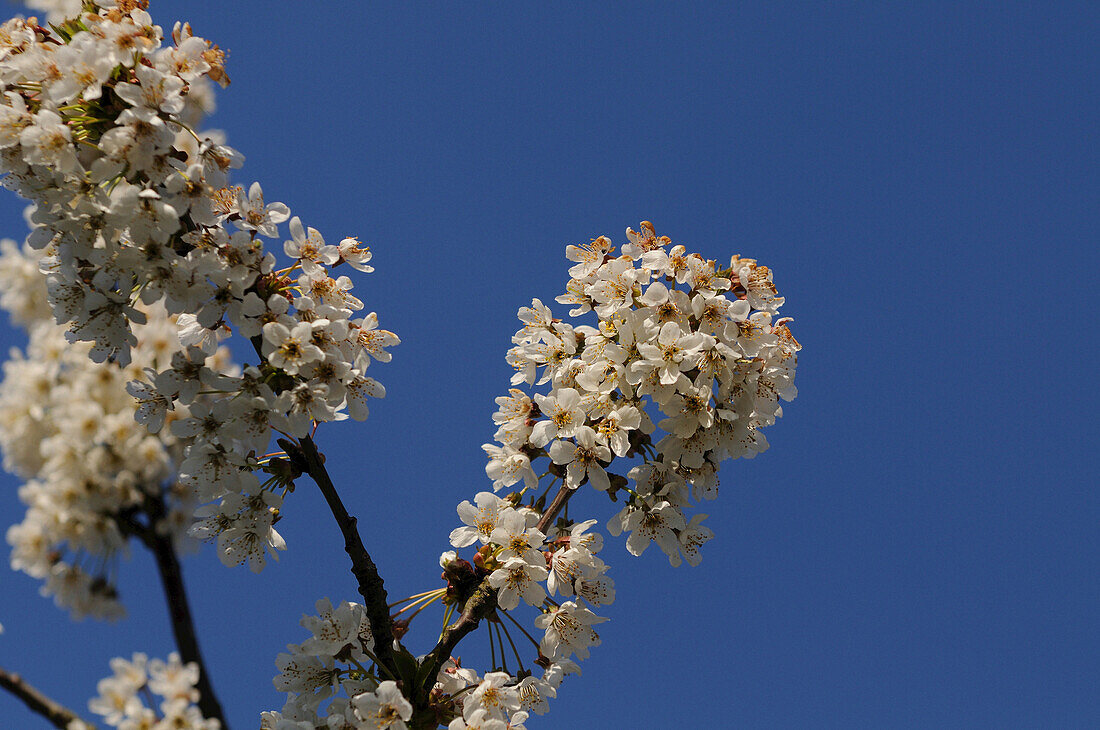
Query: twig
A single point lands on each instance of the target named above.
(556, 506)
(58, 715)
(480, 604)
(179, 609)
(371, 587)
(183, 626)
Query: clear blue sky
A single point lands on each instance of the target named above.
(918, 548)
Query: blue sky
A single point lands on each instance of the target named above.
(919, 546)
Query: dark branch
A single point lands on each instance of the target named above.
(183, 626)
(481, 604)
(58, 715)
(371, 587)
(179, 609)
(363, 568)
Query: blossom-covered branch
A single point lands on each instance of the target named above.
(95, 110)
(682, 365)
(482, 602)
(134, 207)
(686, 365)
(96, 476)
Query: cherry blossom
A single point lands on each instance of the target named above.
(127, 418)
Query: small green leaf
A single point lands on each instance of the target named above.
(407, 666)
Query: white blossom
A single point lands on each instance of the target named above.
(568, 631)
(383, 708)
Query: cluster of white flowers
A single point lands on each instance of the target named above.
(123, 696)
(496, 700)
(147, 258)
(93, 473)
(518, 560)
(680, 339)
(697, 347)
(524, 564)
(134, 207)
(333, 658)
(332, 667)
(378, 709)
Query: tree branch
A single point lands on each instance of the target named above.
(179, 609)
(370, 584)
(58, 715)
(183, 626)
(479, 605)
(371, 587)
(556, 506)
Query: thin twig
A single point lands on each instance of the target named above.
(58, 715)
(556, 505)
(179, 608)
(370, 584)
(371, 587)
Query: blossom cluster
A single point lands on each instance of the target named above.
(147, 258)
(94, 475)
(522, 563)
(377, 709)
(697, 347)
(332, 660)
(123, 696)
(686, 364)
(329, 669)
(134, 208)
